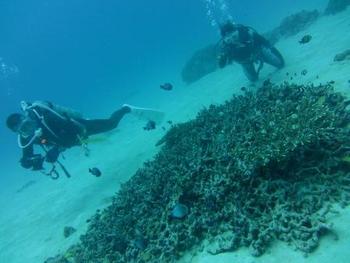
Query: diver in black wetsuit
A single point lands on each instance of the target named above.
(245, 46)
(42, 124)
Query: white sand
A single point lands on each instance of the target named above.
(32, 222)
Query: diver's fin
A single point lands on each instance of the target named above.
(146, 113)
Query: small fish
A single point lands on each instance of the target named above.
(305, 39)
(151, 125)
(267, 82)
(170, 122)
(95, 171)
(166, 86)
(304, 72)
(179, 211)
(140, 243)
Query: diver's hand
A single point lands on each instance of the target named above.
(35, 162)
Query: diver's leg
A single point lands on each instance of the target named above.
(250, 72)
(272, 56)
(103, 125)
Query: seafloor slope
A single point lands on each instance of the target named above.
(32, 227)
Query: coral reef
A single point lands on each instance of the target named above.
(203, 62)
(293, 24)
(336, 6)
(342, 56)
(266, 165)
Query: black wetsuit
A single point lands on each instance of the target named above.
(64, 132)
(246, 47)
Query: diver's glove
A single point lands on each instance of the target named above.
(35, 162)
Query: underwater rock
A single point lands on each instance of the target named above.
(203, 62)
(68, 231)
(292, 25)
(345, 55)
(336, 6)
(179, 211)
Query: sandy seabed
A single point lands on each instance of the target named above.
(32, 221)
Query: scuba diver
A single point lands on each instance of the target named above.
(245, 46)
(55, 128)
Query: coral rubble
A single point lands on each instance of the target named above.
(266, 165)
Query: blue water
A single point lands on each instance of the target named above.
(95, 55)
(106, 50)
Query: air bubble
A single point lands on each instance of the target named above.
(217, 11)
(7, 70)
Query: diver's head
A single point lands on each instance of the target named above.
(226, 28)
(21, 124)
(14, 121)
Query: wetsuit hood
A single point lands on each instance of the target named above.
(14, 121)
